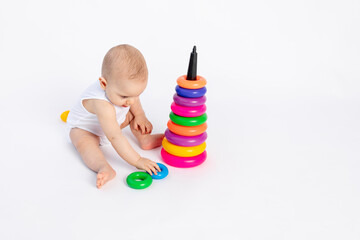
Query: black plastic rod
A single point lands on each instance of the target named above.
(191, 74)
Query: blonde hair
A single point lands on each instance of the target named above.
(124, 59)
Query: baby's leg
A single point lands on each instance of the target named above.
(87, 144)
(146, 141)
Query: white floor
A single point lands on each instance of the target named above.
(283, 108)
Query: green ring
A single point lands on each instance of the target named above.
(139, 180)
(188, 121)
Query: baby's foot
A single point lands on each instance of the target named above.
(104, 175)
(151, 141)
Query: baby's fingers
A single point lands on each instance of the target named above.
(153, 169)
(140, 127)
(157, 167)
(143, 129)
(148, 128)
(149, 171)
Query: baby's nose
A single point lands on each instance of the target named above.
(130, 102)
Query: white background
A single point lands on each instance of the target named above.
(283, 106)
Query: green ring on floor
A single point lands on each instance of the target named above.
(139, 180)
(188, 121)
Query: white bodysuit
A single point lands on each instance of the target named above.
(79, 117)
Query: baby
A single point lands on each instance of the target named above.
(109, 105)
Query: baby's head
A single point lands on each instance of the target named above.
(124, 74)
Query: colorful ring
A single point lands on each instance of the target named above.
(188, 111)
(183, 162)
(64, 115)
(139, 180)
(188, 121)
(186, 131)
(185, 141)
(160, 175)
(183, 151)
(190, 93)
(189, 102)
(191, 84)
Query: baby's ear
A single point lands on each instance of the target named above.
(103, 82)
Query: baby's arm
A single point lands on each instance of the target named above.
(141, 123)
(107, 117)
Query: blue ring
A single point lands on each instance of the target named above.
(190, 93)
(164, 172)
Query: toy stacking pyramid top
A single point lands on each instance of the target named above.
(184, 143)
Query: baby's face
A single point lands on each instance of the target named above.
(122, 91)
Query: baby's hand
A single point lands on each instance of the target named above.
(147, 165)
(142, 124)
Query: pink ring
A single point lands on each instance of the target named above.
(188, 111)
(183, 162)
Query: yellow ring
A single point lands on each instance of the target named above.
(200, 82)
(183, 151)
(64, 116)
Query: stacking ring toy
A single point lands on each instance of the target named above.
(191, 84)
(189, 102)
(183, 140)
(139, 180)
(183, 162)
(164, 172)
(188, 121)
(64, 115)
(188, 111)
(186, 131)
(190, 93)
(183, 151)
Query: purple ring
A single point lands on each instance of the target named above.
(183, 140)
(189, 102)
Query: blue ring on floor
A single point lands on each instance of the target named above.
(164, 172)
(190, 93)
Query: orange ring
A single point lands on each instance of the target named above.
(186, 131)
(200, 82)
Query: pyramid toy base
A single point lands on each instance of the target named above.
(183, 162)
